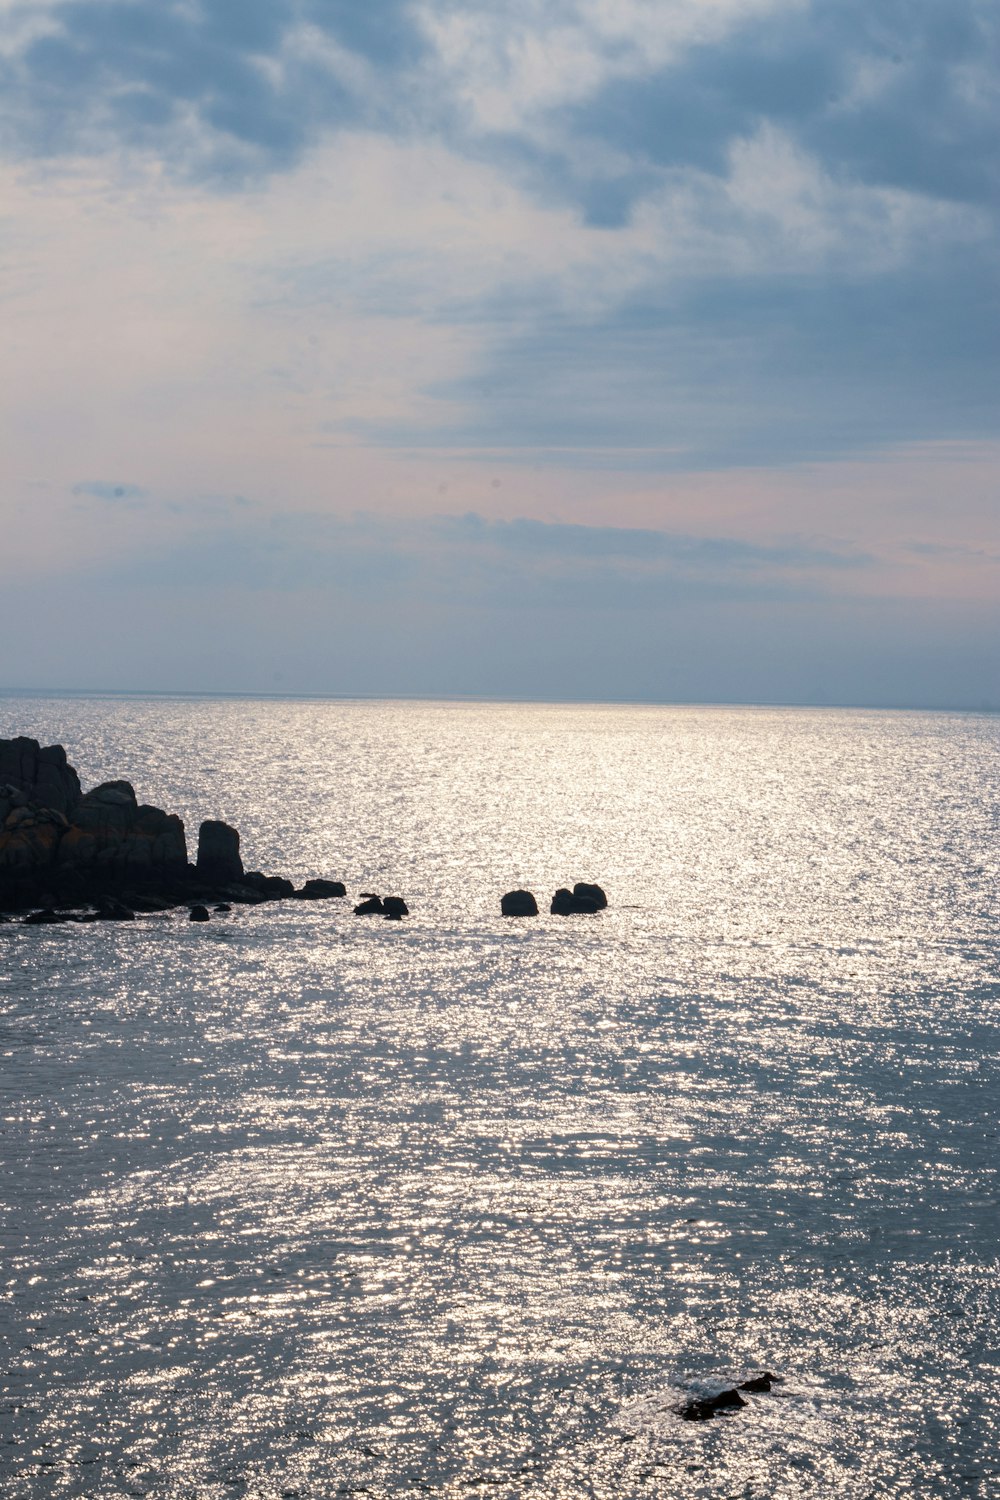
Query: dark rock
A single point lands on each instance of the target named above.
(223, 906)
(584, 892)
(567, 903)
(760, 1383)
(199, 914)
(393, 916)
(395, 906)
(218, 852)
(368, 896)
(42, 775)
(518, 904)
(321, 890)
(271, 887)
(110, 910)
(44, 918)
(701, 1409)
(370, 907)
(145, 901)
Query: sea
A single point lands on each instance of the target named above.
(300, 1204)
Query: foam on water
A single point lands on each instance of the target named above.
(298, 1203)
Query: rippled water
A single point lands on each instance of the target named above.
(301, 1204)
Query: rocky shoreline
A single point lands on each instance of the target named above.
(72, 856)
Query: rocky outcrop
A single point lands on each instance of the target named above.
(219, 859)
(321, 890)
(44, 776)
(61, 849)
(583, 899)
(518, 904)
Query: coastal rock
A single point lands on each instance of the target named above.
(703, 1408)
(44, 918)
(321, 890)
(370, 907)
(219, 853)
(518, 904)
(43, 775)
(110, 910)
(199, 914)
(584, 892)
(113, 837)
(394, 907)
(567, 903)
(271, 887)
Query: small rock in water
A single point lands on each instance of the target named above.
(223, 906)
(759, 1383)
(703, 1408)
(584, 892)
(567, 903)
(518, 904)
(199, 914)
(369, 906)
(321, 890)
(395, 907)
(43, 918)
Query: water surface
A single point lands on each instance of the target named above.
(303, 1204)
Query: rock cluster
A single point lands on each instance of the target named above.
(582, 898)
(61, 848)
(703, 1408)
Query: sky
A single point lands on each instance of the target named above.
(587, 349)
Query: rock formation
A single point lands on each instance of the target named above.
(61, 848)
(566, 903)
(518, 904)
(219, 859)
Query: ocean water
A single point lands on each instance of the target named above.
(303, 1204)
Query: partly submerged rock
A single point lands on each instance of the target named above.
(199, 914)
(321, 890)
(584, 892)
(394, 907)
(567, 903)
(702, 1408)
(111, 910)
(518, 904)
(371, 906)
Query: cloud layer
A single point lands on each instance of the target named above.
(540, 264)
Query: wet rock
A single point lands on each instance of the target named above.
(584, 892)
(760, 1383)
(44, 918)
(321, 890)
(371, 906)
(703, 1408)
(518, 904)
(567, 903)
(395, 907)
(198, 914)
(271, 887)
(218, 852)
(223, 907)
(111, 910)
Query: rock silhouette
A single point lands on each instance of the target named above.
(61, 848)
(219, 853)
(518, 904)
(566, 903)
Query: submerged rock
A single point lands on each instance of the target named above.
(199, 914)
(518, 904)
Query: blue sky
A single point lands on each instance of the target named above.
(567, 349)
